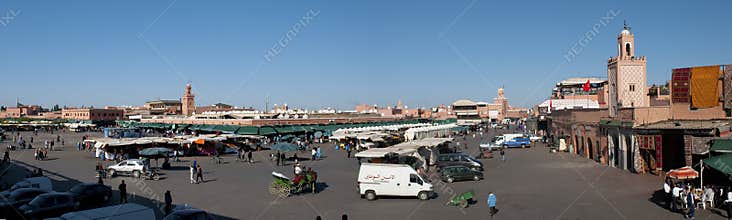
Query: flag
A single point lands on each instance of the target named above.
(586, 87)
(550, 106)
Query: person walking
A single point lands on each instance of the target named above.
(277, 158)
(313, 153)
(676, 194)
(492, 203)
(193, 174)
(690, 204)
(503, 155)
(318, 153)
(249, 156)
(199, 174)
(168, 202)
(122, 192)
(282, 159)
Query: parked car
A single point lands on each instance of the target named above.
(48, 205)
(379, 179)
(535, 138)
(134, 167)
(444, 160)
(91, 195)
(115, 212)
(458, 172)
(43, 183)
(188, 214)
(521, 142)
(16, 199)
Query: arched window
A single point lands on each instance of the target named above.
(627, 49)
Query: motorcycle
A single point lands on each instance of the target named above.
(151, 175)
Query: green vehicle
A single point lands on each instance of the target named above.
(462, 200)
(459, 172)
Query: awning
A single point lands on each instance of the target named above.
(251, 130)
(722, 145)
(723, 163)
(226, 128)
(267, 131)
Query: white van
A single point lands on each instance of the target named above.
(40, 182)
(498, 140)
(391, 180)
(116, 212)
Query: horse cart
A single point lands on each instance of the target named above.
(282, 186)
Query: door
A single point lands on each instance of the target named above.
(414, 186)
(463, 173)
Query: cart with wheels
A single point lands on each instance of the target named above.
(462, 200)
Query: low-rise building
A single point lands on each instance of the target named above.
(93, 114)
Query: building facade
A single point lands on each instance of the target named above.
(92, 114)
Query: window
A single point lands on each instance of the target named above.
(413, 178)
(631, 88)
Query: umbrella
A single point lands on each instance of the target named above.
(318, 134)
(155, 151)
(284, 147)
(683, 173)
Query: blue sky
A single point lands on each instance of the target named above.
(422, 52)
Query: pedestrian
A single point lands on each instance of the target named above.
(690, 203)
(313, 153)
(503, 155)
(348, 152)
(122, 192)
(667, 190)
(6, 157)
(199, 174)
(282, 158)
(492, 203)
(193, 174)
(100, 181)
(318, 153)
(277, 159)
(249, 156)
(168, 202)
(238, 154)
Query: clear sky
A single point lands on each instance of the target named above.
(343, 52)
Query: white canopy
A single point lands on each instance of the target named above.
(405, 148)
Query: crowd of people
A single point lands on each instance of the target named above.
(684, 198)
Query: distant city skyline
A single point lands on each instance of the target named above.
(336, 54)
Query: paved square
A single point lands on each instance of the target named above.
(531, 184)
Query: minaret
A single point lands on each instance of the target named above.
(626, 76)
(188, 102)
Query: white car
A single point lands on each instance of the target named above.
(534, 138)
(135, 167)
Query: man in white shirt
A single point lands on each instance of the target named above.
(667, 190)
(676, 192)
(298, 169)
